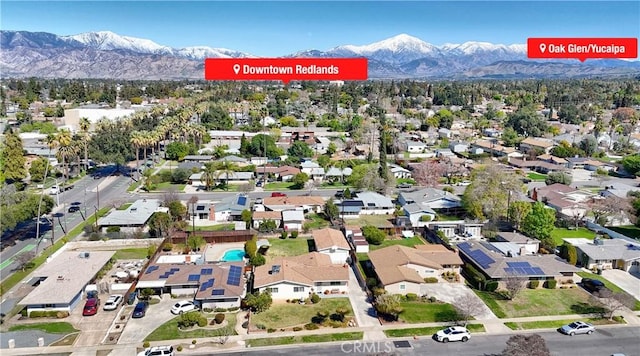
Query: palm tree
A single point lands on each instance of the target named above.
(65, 150)
(225, 167)
(209, 174)
(85, 124)
(136, 140)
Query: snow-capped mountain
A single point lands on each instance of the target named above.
(106, 54)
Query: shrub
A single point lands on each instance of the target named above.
(219, 318)
(378, 291)
(491, 286)
(550, 284)
(194, 341)
(473, 276)
(190, 319)
(411, 297)
(271, 330)
(219, 310)
(533, 284)
(146, 344)
(294, 234)
(431, 280)
(233, 309)
(433, 299)
(62, 314)
(168, 246)
(207, 310)
(179, 348)
(373, 235)
(261, 326)
(315, 299)
(372, 282)
(202, 322)
(297, 328)
(283, 235)
(311, 326)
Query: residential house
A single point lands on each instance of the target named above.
(201, 210)
(332, 242)
(577, 162)
(259, 217)
(430, 197)
(402, 269)
(282, 173)
(292, 220)
(399, 172)
(321, 144)
(496, 265)
(133, 217)
(259, 161)
(607, 254)
(527, 246)
(313, 170)
(458, 230)
(230, 208)
(350, 208)
(220, 285)
(445, 133)
(492, 132)
(61, 281)
(536, 144)
(234, 177)
(459, 147)
(553, 160)
(415, 146)
(493, 148)
(540, 166)
(198, 158)
(299, 276)
(308, 204)
(568, 202)
(335, 174)
(375, 203)
(240, 161)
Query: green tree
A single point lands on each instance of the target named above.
(558, 177)
(177, 210)
(324, 161)
(389, 304)
(588, 145)
(510, 137)
(299, 180)
(631, 164)
(194, 242)
(246, 216)
(225, 168)
(38, 169)
(539, 223)
(13, 161)
(488, 194)
(217, 118)
(251, 247)
(259, 301)
(331, 149)
(300, 149)
(177, 151)
(572, 255)
(160, 223)
(260, 142)
(331, 210)
(289, 121)
(518, 211)
(373, 235)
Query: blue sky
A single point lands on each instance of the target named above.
(269, 28)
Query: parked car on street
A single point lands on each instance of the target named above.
(278, 194)
(577, 327)
(140, 309)
(593, 285)
(113, 302)
(158, 351)
(183, 306)
(73, 208)
(91, 307)
(453, 333)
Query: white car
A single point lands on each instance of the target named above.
(158, 351)
(577, 327)
(113, 302)
(183, 307)
(453, 333)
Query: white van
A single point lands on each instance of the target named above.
(55, 190)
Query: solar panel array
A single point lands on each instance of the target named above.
(207, 284)
(194, 278)
(525, 271)
(169, 273)
(217, 292)
(519, 264)
(206, 271)
(481, 258)
(235, 274)
(151, 269)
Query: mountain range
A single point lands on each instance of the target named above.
(106, 54)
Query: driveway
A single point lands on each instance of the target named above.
(364, 313)
(138, 329)
(449, 292)
(628, 282)
(92, 328)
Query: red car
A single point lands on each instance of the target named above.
(277, 194)
(91, 307)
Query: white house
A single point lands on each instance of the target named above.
(607, 254)
(375, 204)
(292, 220)
(399, 172)
(415, 146)
(333, 243)
(298, 276)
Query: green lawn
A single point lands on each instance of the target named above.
(168, 185)
(133, 186)
(410, 242)
(374, 220)
(554, 324)
(289, 340)
(334, 186)
(560, 233)
(536, 302)
(55, 328)
(217, 227)
(316, 221)
(131, 254)
(428, 331)
(536, 176)
(170, 331)
(614, 288)
(442, 217)
(278, 186)
(421, 312)
(124, 206)
(288, 247)
(628, 230)
(286, 315)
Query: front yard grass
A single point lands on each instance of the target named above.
(410, 242)
(373, 220)
(131, 254)
(54, 328)
(631, 231)
(422, 312)
(612, 287)
(170, 331)
(288, 340)
(560, 233)
(554, 324)
(279, 186)
(288, 247)
(537, 302)
(216, 227)
(316, 222)
(536, 176)
(286, 315)
(427, 331)
(166, 186)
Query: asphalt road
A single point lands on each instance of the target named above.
(603, 342)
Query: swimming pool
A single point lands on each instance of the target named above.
(233, 255)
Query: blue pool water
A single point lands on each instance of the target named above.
(233, 256)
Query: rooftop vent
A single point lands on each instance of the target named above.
(275, 269)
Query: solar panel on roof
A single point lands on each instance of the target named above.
(217, 292)
(518, 264)
(538, 271)
(164, 276)
(151, 269)
(206, 271)
(175, 269)
(235, 274)
(508, 270)
(194, 277)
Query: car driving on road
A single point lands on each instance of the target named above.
(453, 333)
(577, 327)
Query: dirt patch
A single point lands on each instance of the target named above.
(68, 340)
(103, 352)
(112, 338)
